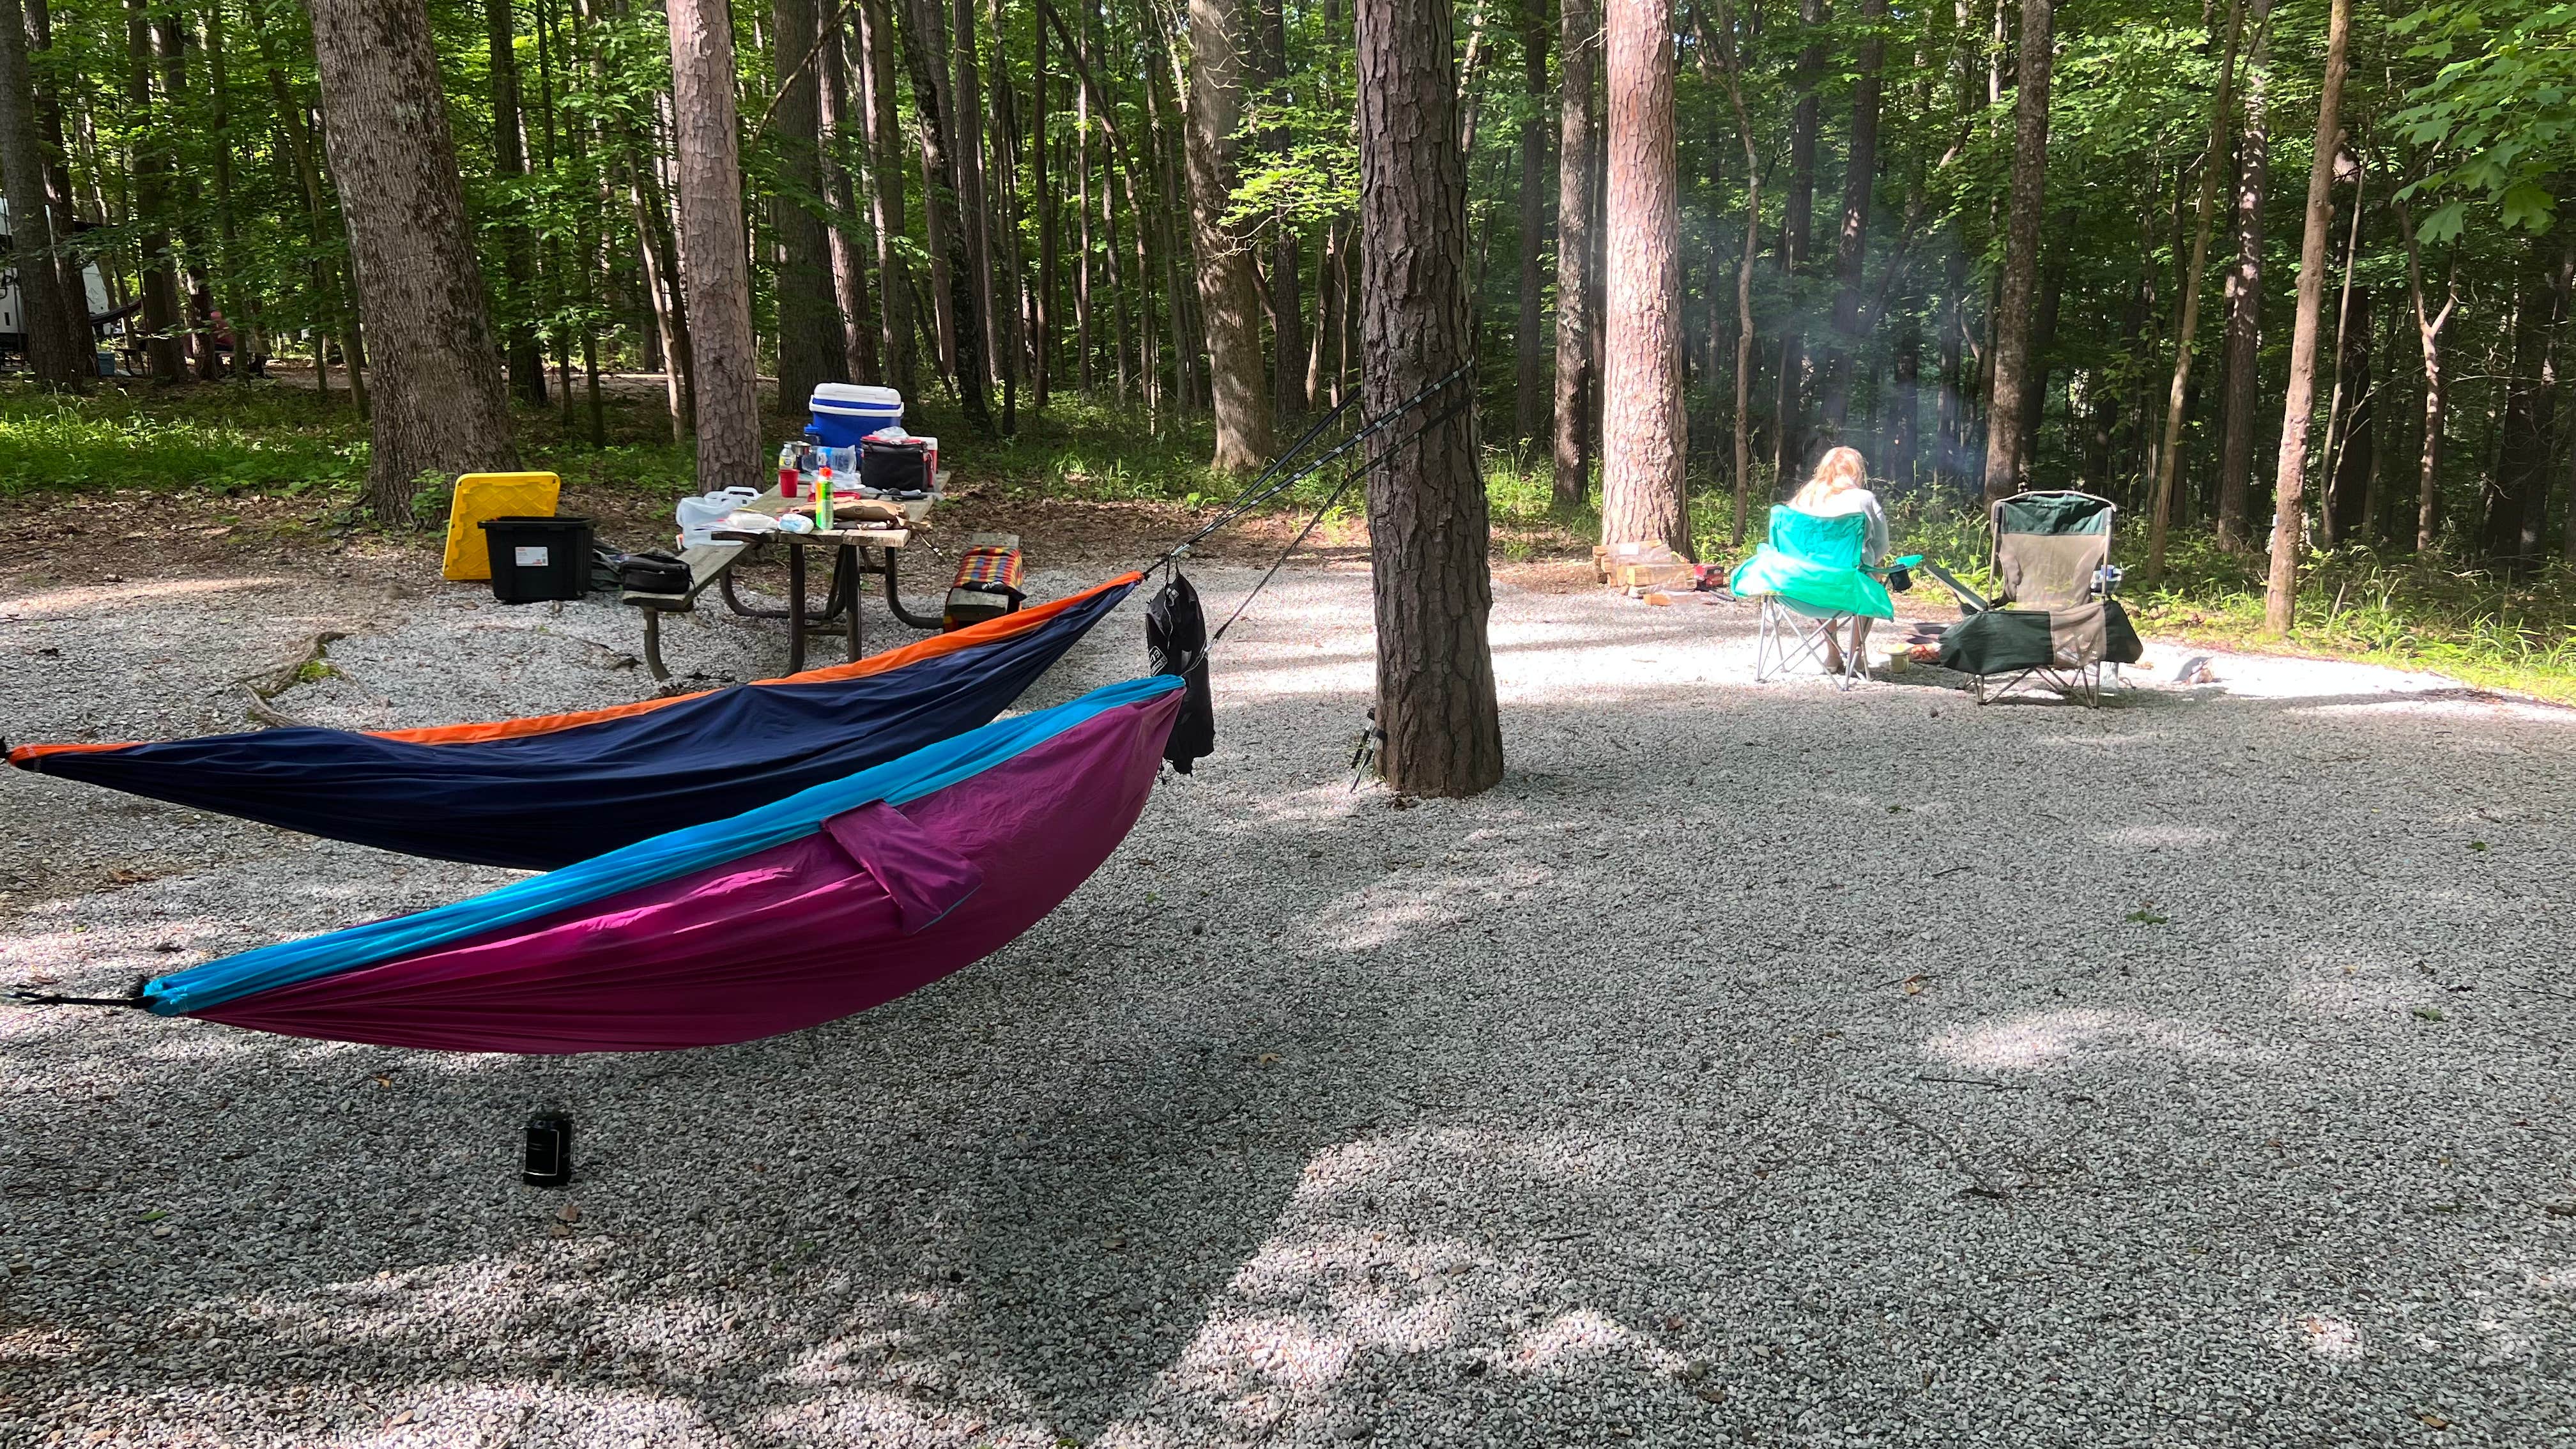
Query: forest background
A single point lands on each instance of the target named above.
(1112, 248)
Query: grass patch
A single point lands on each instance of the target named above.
(232, 440)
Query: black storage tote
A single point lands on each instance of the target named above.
(535, 559)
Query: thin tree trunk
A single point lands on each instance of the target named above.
(1285, 292)
(1644, 433)
(1227, 295)
(34, 249)
(2336, 518)
(715, 262)
(151, 171)
(1002, 189)
(921, 49)
(811, 347)
(1427, 514)
(885, 195)
(1579, 41)
(1041, 143)
(331, 286)
(439, 408)
(1797, 221)
(2244, 381)
(2428, 335)
(968, 116)
(58, 178)
(1530, 396)
(1851, 248)
(2006, 466)
(2280, 595)
(518, 245)
(2168, 454)
(859, 333)
(1084, 376)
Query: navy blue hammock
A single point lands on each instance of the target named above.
(542, 793)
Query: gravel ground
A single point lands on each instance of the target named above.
(1755, 1064)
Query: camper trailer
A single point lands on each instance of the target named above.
(13, 325)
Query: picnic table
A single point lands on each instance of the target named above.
(885, 526)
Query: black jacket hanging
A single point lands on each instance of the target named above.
(1176, 642)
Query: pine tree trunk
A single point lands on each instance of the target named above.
(1428, 529)
(2006, 465)
(885, 196)
(2290, 515)
(1643, 431)
(439, 406)
(715, 261)
(1579, 42)
(2517, 493)
(1227, 295)
(1851, 248)
(2244, 367)
(58, 178)
(1085, 376)
(35, 251)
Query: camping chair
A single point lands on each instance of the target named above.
(2053, 619)
(1809, 578)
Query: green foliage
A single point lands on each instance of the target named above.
(2499, 111)
(243, 439)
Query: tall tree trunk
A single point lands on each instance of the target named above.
(1427, 521)
(922, 41)
(2428, 334)
(2517, 494)
(1042, 316)
(1530, 397)
(2352, 459)
(2006, 466)
(1002, 189)
(1227, 293)
(1643, 431)
(518, 246)
(1084, 374)
(885, 195)
(2280, 595)
(439, 407)
(859, 359)
(2244, 374)
(967, 117)
(1578, 45)
(332, 288)
(1797, 225)
(2168, 455)
(715, 261)
(2337, 518)
(58, 178)
(151, 171)
(1851, 248)
(34, 249)
(1285, 292)
(811, 346)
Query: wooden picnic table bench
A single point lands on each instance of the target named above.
(887, 526)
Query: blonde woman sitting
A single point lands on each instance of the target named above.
(1825, 544)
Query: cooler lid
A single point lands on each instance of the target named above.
(848, 394)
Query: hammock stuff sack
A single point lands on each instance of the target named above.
(544, 792)
(810, 908)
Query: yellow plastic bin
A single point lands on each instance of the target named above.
(492, 495)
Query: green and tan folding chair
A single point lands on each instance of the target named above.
(1809, 579)
(2053, 621)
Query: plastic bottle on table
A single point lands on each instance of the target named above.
(787, 470)
(823, 495)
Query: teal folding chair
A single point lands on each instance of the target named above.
(1809, 579)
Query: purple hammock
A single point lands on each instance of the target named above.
(802, 911)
